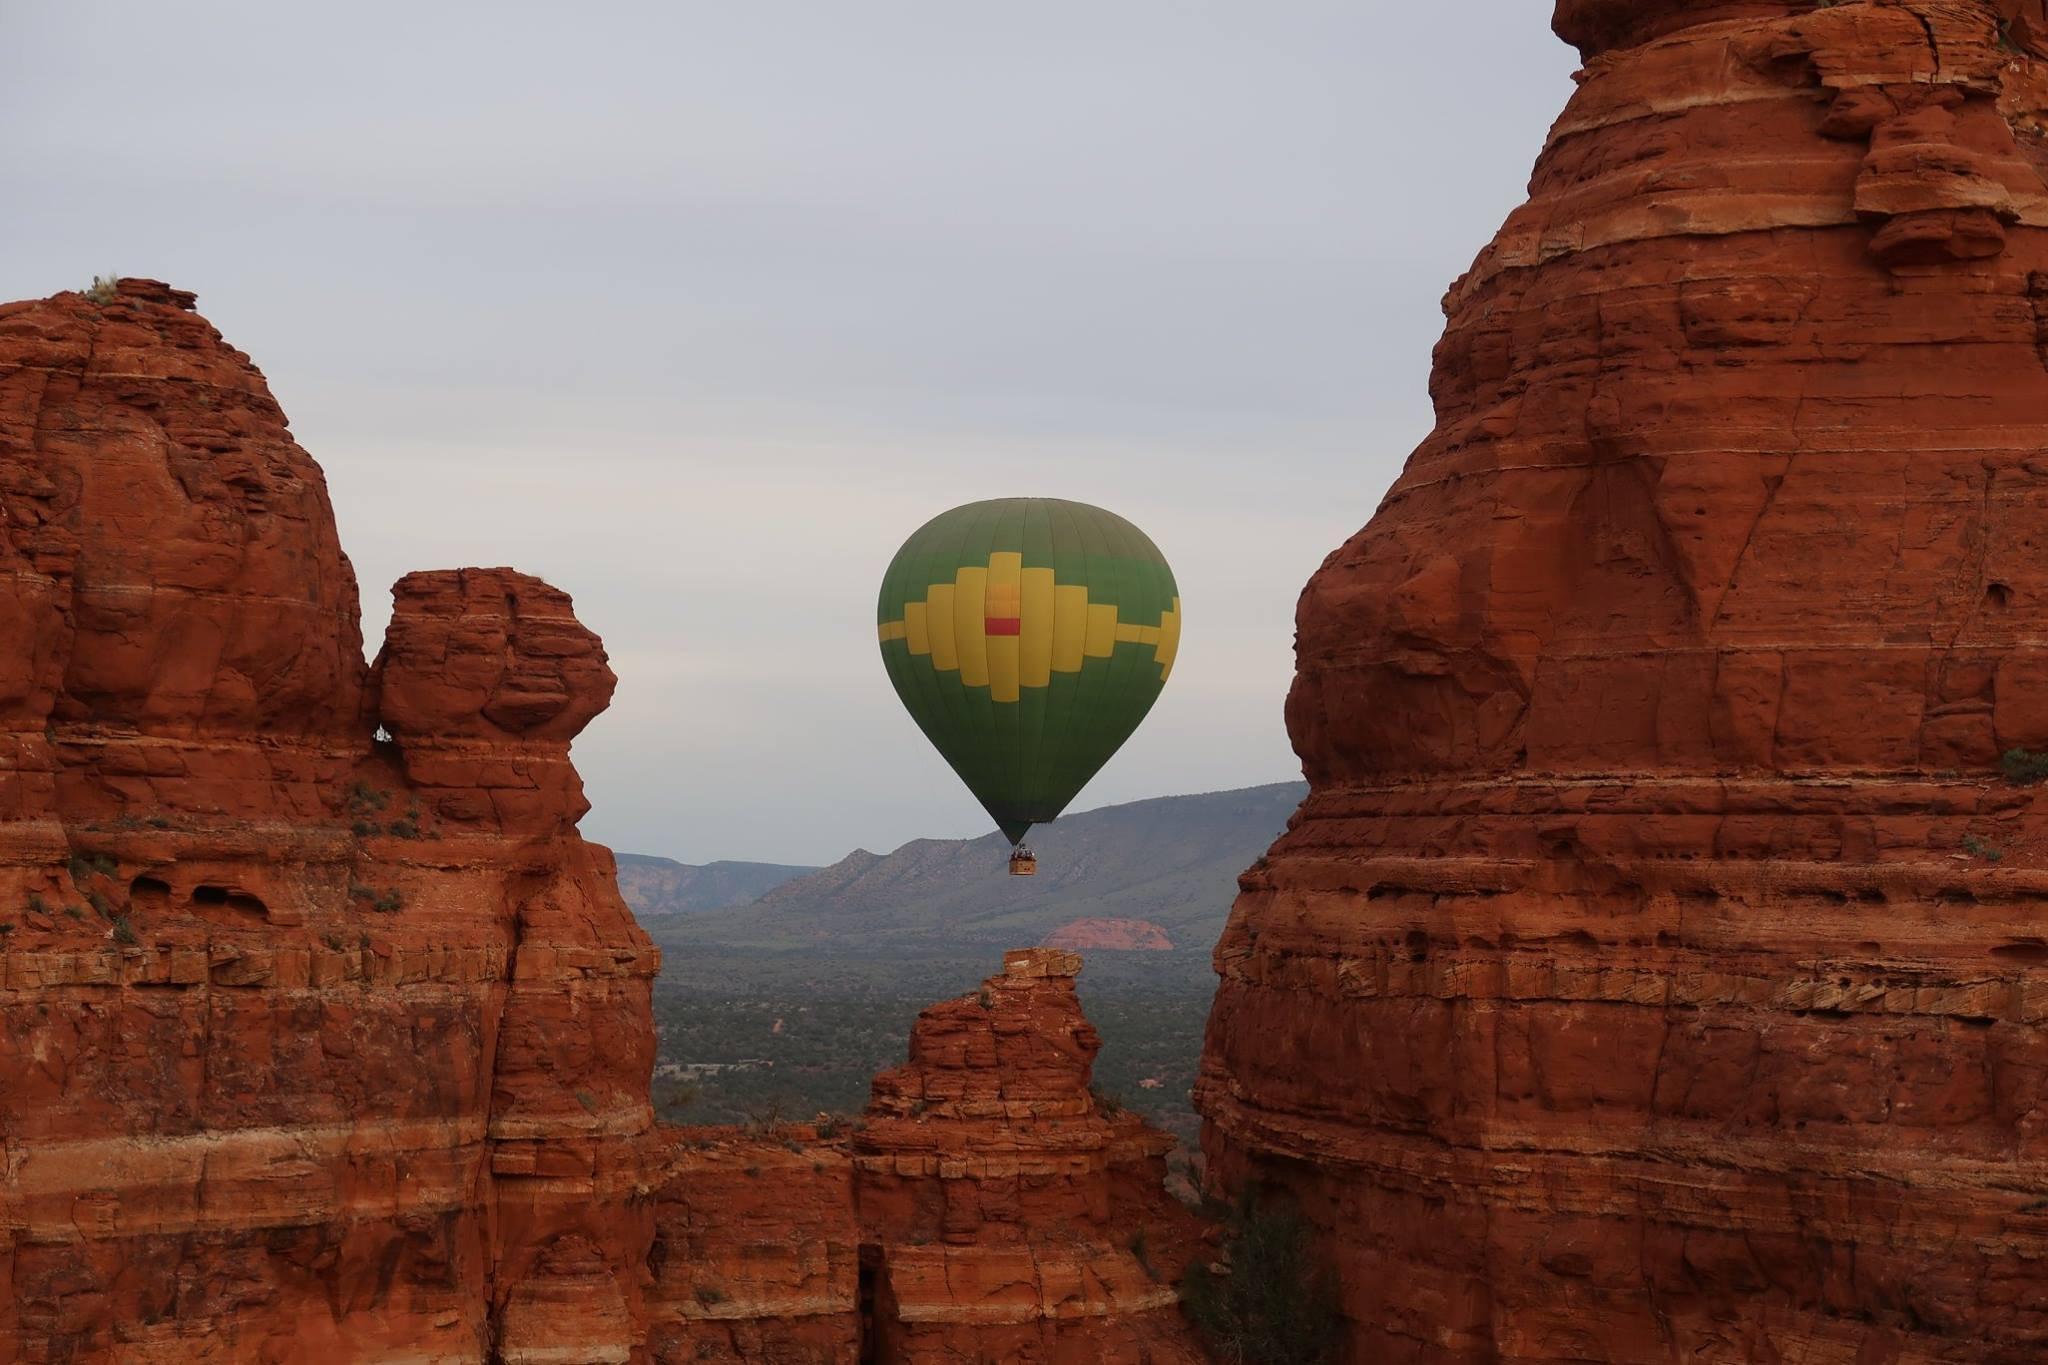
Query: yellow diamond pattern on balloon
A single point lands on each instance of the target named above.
(1005, 627)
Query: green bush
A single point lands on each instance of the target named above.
(676, 1098)
(1979, 848)
(1273, 1306)
(85, 867)
(124, 932)
(408, 827)
(383, 902)
(364, 797)
(104, 288)
(2024, 767)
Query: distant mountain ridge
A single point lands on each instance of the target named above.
(1171, 861)
(663, 886)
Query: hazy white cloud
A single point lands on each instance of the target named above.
(698, 309)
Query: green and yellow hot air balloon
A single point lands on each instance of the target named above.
(1028, 637)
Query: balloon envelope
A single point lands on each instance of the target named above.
(1028, 637)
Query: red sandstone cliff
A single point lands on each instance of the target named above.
(323, 1035)
(314, 1047)
(1658, 969)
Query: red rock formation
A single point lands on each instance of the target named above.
(323, 1035)
(988, 1209)
(1010, 1218)
(314, 1047)
(757, 1250)
(1124, 935)
(1656, 971)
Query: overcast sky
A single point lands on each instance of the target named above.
(697, 309)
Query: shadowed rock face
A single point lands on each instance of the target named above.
(1638, 982)
(324, 1037)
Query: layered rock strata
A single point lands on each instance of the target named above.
(324, 1037)
(1009, 1215)
(986, 1208)
(1658, 968)
(757, 1251)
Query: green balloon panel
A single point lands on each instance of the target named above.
(1027, 637)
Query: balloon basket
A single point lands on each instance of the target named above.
(1023, 863)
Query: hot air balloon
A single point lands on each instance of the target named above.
(1027, 637)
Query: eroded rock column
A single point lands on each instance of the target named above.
(1011, 1217)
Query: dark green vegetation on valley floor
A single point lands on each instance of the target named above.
(787, 1007)
(770, 1036)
